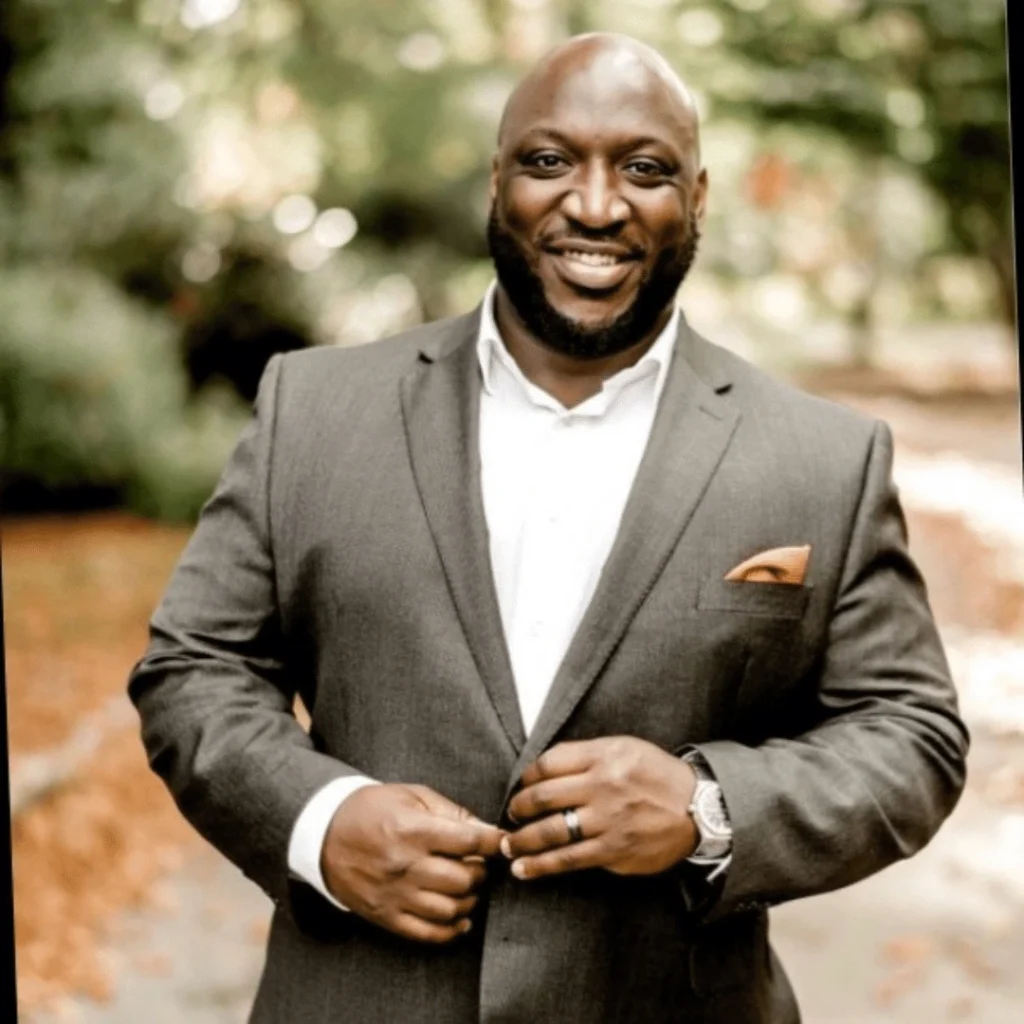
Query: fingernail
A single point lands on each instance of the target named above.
(519, 869)
(506, 847)
(465, 926)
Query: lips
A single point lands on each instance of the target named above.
(592, 266)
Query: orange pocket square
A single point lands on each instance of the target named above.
(780, 565)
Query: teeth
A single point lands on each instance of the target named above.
(592, 259)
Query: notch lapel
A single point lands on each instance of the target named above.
(691, 432)
(441, 410)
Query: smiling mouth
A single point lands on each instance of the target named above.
(592, 259)
(591, 271)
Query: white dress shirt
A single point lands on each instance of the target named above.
(555, 483)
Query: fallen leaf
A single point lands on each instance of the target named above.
(908, 950)
(961, 1008)
(972, 961)
(897, 984)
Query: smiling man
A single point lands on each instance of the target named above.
(597, 191)
(610, 642)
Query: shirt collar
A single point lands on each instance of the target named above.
(490, 347)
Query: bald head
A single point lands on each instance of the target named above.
(604, 66)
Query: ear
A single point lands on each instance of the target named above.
(700, 195)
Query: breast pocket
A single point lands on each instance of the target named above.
(770, 600)
(766, 623)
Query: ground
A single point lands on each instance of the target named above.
(122, 914)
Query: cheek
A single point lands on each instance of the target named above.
(525, 205)
(664, 219)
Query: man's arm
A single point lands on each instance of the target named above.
(884, 764)
(213, 690)
(215, 693)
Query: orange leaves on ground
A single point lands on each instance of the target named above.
(78, 594)
(83, 854)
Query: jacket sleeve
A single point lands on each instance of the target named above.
(214, 691)
(884, 762)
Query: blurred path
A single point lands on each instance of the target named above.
(193, 958)
(938, 938)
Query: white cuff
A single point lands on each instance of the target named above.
(310, 831)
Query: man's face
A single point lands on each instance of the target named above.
(596, 201)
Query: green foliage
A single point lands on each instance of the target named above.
(176, 469)
(92, 391)
(922, 83)
(92, 176)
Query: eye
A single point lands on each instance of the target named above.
(544, 161)
(643, 168)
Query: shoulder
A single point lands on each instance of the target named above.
(781, 412)
(375, 364)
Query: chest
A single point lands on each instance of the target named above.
(554, 487)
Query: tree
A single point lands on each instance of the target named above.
(922, 83)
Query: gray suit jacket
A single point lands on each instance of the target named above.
(344, 556)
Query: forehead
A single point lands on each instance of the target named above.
(608, 96)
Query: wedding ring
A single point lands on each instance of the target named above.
(572, 821)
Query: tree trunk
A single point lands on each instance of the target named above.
(1002, 262)
(862, 335)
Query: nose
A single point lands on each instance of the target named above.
(595, 202)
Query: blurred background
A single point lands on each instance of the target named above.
(189, 186)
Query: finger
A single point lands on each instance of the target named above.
(549, 833)
(437, 803)
(433, 906)
(572, 757)
(461, 838)
(590, 853)
(550, 795)
(417, 928)
(452, 877)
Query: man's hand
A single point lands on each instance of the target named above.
(632, 800)
(408, 859)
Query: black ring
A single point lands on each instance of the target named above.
(572, 821)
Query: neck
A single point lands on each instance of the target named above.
(568, 379)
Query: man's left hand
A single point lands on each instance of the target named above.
(631, 799)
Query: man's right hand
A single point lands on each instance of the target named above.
(408, 859)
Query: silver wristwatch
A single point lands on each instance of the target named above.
(707, 808)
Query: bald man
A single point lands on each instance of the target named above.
(610, 642)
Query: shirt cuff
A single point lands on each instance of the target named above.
(310, 831)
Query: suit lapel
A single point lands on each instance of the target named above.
(692, 429)
(441, 405)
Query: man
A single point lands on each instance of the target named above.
(609, 641)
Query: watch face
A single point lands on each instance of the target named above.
(711, 810)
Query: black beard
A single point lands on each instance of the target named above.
(525, 291)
